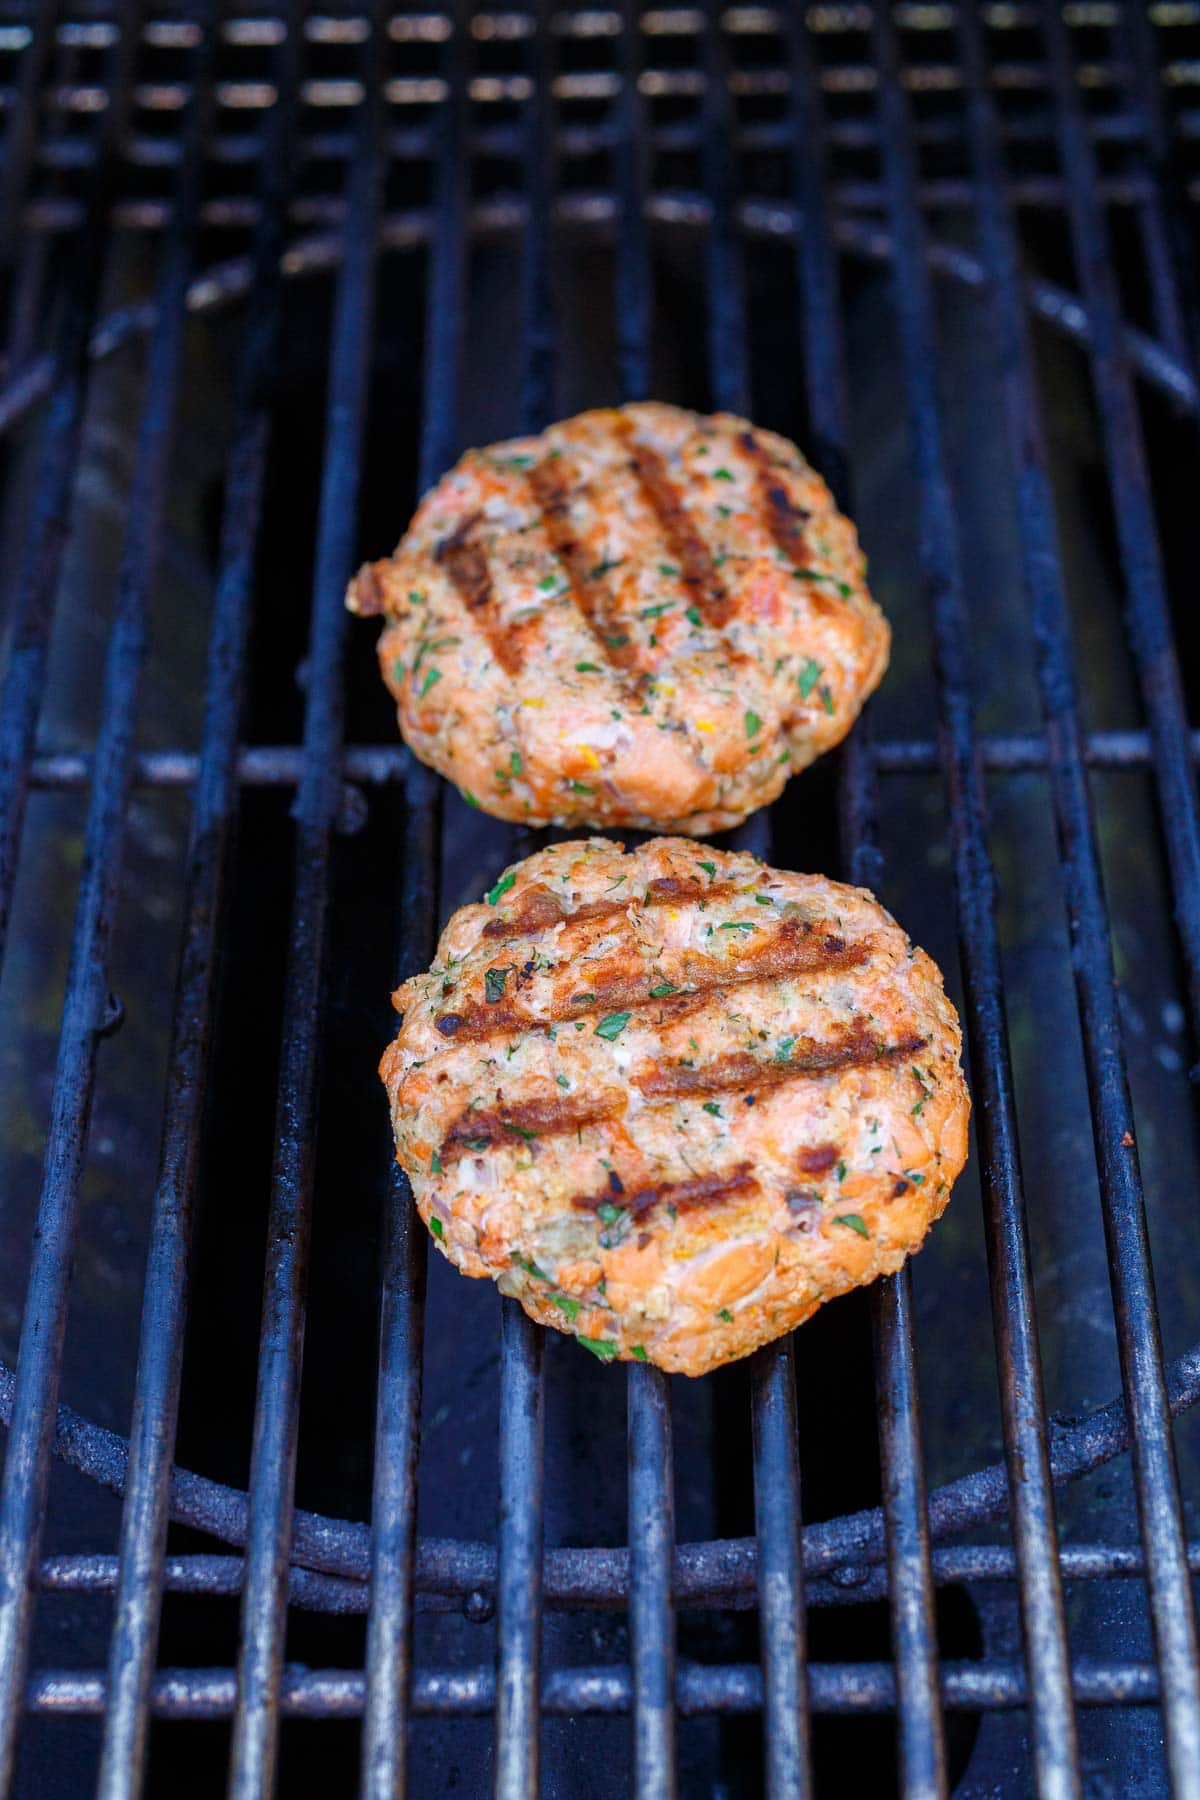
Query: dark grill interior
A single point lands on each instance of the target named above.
(264, 276)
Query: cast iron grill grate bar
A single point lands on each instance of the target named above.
(1015, 1329)
(318, 799)
(87, 1006)
(522, 1384)
(156, 1396)
(296, 1558)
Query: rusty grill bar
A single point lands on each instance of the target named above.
(278, 1556)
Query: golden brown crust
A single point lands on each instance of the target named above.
(642, 617)
(681, 1106)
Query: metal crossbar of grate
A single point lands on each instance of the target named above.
(759, 200)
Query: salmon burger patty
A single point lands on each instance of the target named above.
(672, 1100)
(642, 617)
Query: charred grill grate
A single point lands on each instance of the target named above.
(922, 138)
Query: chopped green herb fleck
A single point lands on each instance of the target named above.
(415, 599)
(469, 798)
(826, 699)
(602, 568)
(608, 1214)
(667, 569)
(753, 724)
(841, 1171)
(844, 589)
(710, 869)
(598, 1347)
(693, 613)
(637, 1350)
(520, 1131)
(547, 584)
(722, 475)
(432, 677)
(612, 1025)
(738, 925)
(502, 886)
(710, 1106)
(566, 1304)
(435, 1225)
(515, 763)
(530, 1268)
(581, 787)
(662, 989)
(398, 670)
(562, 1081)
(656, 612)
(808, 677)
(786, 1045)
(615, 643)
(587, 668)
(723, 512)
(854, 1221)
(726, 1315)
(763, 900)
(493, 983)
(436, 1163)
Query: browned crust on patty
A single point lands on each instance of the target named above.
(644, 617)
(686, 1176)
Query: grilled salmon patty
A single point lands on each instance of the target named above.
(642, 617)
(672, 1099)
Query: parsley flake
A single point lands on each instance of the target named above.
(502, 886)
(710, 869)
(738, 925)
(722, 475)
(693, 613)
(493, 983)
(432, 677)
(826, 698)
(710, 1106)
(587, 668)
(565, 1304)
(638, 1351)
(530, 1268)
(854, 1221)
(808, 677)
(515, 763)
(726, 1315)
(435, 1225)
(436, 1163)
(662, 989)
(598, 1347)
(612, 1025)
(753, 724)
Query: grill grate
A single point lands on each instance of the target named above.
(340, 141)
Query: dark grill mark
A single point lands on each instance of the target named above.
(591, 593)
(797, 948)
(784, 519)
(489, 1128)
(462, 556)
(685, 1196)
(856, 1049)
(538, 910)
(548, 909)
(686, 546)
(817, 1161)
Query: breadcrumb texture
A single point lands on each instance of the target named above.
(673, 1100)
(643, 617)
